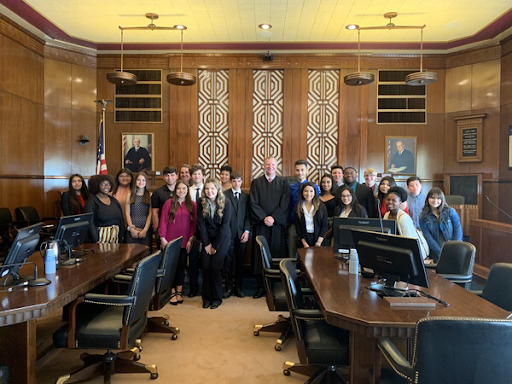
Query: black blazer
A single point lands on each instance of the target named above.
(66, 206)
(319, 223)
(216, 230)
(365, 197)
(240, 215)
(359, 211)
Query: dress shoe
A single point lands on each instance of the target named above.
(216, 304)
(227, 294)
(193, 293)
(259, 293)
(206, 304)
(179, 296)
(173, 302)
(237, 292)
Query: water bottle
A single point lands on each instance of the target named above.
(50, 265)
(353, 263)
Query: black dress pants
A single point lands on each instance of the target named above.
(234, 264)
(193, 270)
(212, 273)
(179, 278)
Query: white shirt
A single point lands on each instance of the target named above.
(193, 192)
(235, 191)
(269, 179)
(308, 216)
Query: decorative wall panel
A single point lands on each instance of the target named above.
(213, 120)
(267, 131)
(322, 131)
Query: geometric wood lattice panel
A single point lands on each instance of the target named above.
(322, 131)
(267, 131)
(213, 120)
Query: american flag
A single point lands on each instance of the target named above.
(101, 167)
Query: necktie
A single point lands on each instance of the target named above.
(197, 195)
(237, 195)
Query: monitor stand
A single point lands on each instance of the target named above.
(29, 281)
(391, 290)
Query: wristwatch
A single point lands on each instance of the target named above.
(130, 227)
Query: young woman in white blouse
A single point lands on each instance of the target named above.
(310, 218)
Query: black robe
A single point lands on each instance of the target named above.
(269, 199)
(134, 156)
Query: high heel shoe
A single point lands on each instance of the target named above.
(173, 295)
(179, 297)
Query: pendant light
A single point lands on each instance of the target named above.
(359, 78)
(121, 77)
(421, 78)
(181, 78)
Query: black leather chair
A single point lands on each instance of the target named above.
(276, 299)
(498, 288)
(6, 232)
(323, 349)
(99, 321)
(28, 216)
(455, 350)
(163, 288)
(456, 262)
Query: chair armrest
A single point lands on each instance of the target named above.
(478, 293)
(307, 292)
(308, 314)
(129, 271)
(272, 273)
(457, 278)
(116, 300)
(431, 266)
(399, 364)
(276, 261)
(124, 279)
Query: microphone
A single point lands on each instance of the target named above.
(499, 209)
(380, 215)
(35, 282)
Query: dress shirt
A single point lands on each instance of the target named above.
(193, 192)
(308, 216)
(269, 179)
(416, 204)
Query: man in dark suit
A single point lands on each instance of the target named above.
(363, 193)
(240, 227)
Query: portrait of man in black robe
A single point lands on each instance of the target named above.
(137, 159)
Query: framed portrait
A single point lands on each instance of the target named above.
(400, 155)
(137, 150)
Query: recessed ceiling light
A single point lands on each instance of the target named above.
(352, 26)
(264, 26)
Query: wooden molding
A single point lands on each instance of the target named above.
(473, 56)
(20, 35)
(70, 56)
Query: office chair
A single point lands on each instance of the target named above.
(455, 350)
(28, 216)
(6, 228)
(498, 288)
(276, 298)
(99, 321)
(323, 349)
(163, 288)
(456, 262)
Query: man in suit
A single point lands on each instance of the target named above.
(363, 193)
(240, 227)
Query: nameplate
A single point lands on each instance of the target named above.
(410, 302)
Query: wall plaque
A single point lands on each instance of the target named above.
(469, 138)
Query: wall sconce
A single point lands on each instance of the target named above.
(84, 140)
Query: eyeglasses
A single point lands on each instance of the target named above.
(125, 177)
(105, 184)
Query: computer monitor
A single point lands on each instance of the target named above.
(71, 232)
(24, 245)
(343, 236)
(395, 258)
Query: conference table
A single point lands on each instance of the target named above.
(346, 303)
(22, 306)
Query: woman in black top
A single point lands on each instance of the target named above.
(213, 223)
(310, 218)
(348, 205)
(327, 194)
(73, 201)
(107, 224)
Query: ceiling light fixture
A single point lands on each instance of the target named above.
(421, 78)
(127, 78)
(359, 78)
(181, 78)
(352, 27)
(264, 26)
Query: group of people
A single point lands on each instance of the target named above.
(214, 217)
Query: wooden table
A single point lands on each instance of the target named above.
(346, 303)
(20, 307)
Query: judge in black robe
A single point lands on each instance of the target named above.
(269, 199)
(137, 159)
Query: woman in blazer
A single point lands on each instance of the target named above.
(73, 201)
(213, 223)
(348, 205)
(310, 218)
(439, 222)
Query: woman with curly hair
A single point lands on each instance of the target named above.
(179, 217)
(107, 225)
(73, 201)
(385, 184)
(213, 223)
(439, 222)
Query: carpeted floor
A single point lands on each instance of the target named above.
(214, 346)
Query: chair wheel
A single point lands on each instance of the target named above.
(136, 357)
(174, 336)
(153, 376)
(286, 372)
(256, 333)
(140, 348)
(166, 323)
(277, 347)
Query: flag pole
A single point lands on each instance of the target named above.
(103, 103)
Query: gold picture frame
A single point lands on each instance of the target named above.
(400, 160)
(137, 160)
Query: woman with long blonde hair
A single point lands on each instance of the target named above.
(213, 223)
